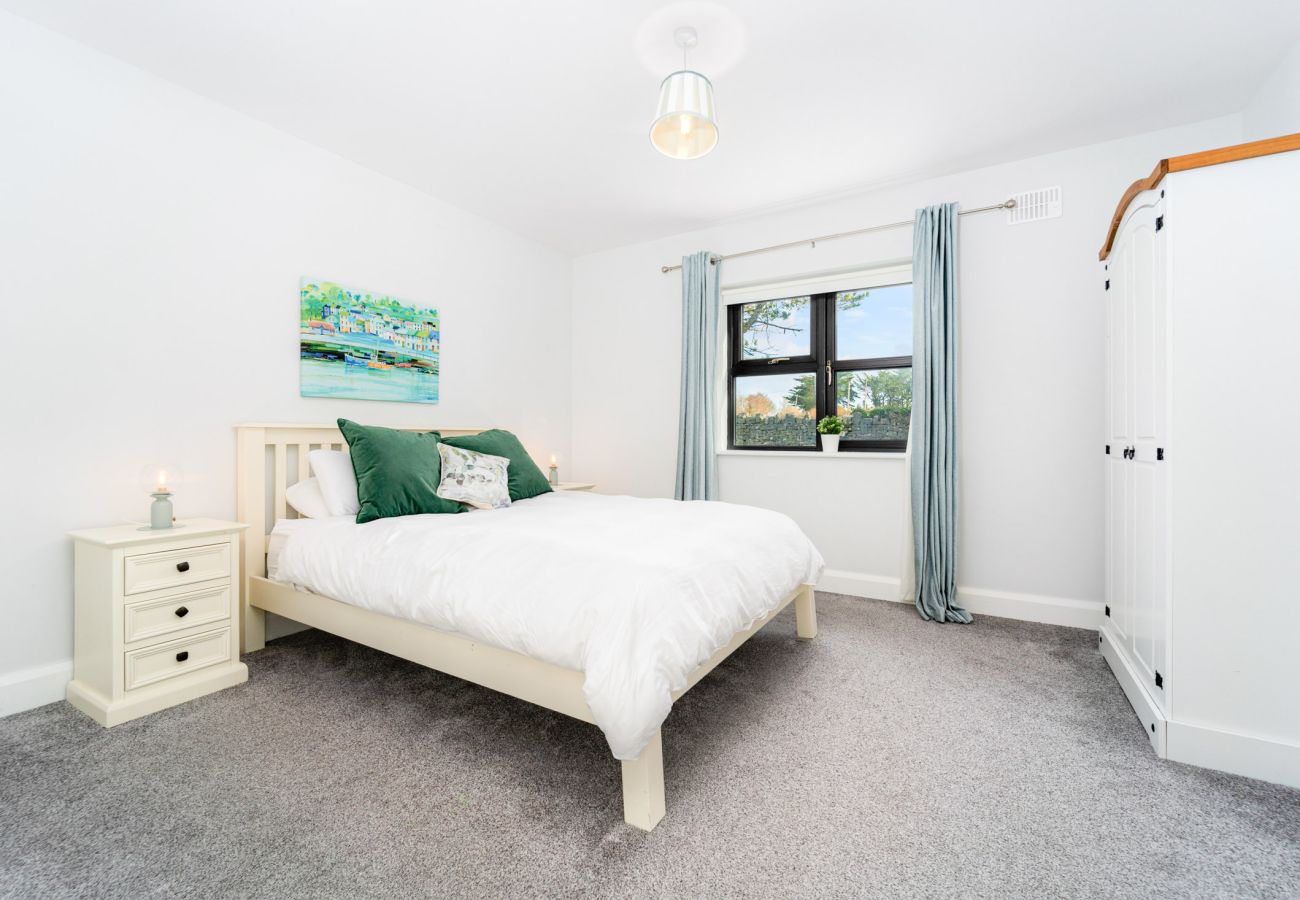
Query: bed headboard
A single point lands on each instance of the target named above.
(268, 459)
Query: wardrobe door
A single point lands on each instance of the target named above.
(1149, 482)
(1118, 542)
(1119, 356)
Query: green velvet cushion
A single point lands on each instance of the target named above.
(526, 480)
(397, 472)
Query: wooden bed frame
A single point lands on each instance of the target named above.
(272, 457)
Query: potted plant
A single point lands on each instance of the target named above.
(830, 428)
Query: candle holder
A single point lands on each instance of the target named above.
(156, 480)
(160, 511)
(555, 473)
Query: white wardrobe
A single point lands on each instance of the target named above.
(1202, 458)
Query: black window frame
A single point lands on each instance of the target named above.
(820, 362)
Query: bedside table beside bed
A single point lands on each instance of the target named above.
(157, 616)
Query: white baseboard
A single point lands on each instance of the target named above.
(983, 601)
(1240, 754)
(30, 688)
(1032, 607)
(859, 584)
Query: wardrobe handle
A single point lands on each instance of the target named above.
(182, 567)
(182, 656)
(182, 612)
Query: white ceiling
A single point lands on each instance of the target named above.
(535, 114)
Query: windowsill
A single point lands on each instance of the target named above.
(817, 454)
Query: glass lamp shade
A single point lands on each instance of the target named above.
(685, 126)
(159, 477)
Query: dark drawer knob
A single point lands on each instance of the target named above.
(182, 612)
(182, 567)
(182, 656)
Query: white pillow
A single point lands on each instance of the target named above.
(305, 496)
(338, 483)
(474, 478)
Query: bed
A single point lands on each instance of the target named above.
(609, 609)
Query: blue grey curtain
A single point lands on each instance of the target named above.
(934, 413)
(697, 468)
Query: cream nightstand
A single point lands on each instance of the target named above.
(157, 614)
(573, 486)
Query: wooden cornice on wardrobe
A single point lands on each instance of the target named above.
(1194, 161)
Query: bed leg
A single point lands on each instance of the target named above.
(805, 613)
(643, 787)
(252, 626)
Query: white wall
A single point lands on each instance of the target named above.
(151, 244)
(1275, 108)
(1032, 344)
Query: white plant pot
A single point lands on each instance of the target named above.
(831, 443)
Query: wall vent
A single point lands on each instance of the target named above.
(1032, 206)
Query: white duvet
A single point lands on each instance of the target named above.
(634, 593)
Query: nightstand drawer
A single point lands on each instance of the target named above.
(162, 661)
(152, 618)
(176, 568)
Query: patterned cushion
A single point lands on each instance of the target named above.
(526, 480)
(477, 479)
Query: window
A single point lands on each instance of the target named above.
(793, 360)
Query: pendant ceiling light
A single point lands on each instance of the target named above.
(685, 126)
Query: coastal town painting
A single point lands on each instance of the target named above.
(361, 345)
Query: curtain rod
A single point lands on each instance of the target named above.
(1006, 204)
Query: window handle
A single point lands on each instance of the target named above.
(829, 378)
(779, 359)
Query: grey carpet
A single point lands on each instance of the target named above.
(890, 757)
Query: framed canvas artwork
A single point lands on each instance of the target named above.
(362, 345)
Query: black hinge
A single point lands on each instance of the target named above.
(1160, 222)
(1107, 284)
(1160, 681)
(1108, 612)
(1108, 449)
(1160, 453)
